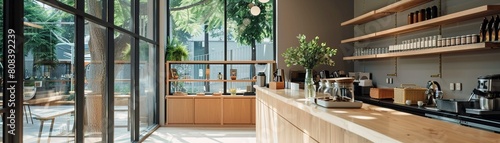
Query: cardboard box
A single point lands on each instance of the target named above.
(277, 85)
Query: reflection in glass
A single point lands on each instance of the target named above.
(146, 18)
(49, 76)
(122, 90)
(147, 85)
(95, 8)
(123, 16)
(95, 73)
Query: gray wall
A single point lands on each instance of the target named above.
(315, 18)
(457, 67)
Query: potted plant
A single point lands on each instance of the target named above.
(176, 51)
(308, 55)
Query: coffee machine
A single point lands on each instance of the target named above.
(487, 92)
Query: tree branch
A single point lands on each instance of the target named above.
(189, 6)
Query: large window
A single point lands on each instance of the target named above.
(222, 30)
(89, 77)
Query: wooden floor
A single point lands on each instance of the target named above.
(203, 135)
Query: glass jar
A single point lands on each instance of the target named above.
(468, 39)
(438, 44)
(448, 42)
(458, 40)
(452, 41)
(463, 40)
(475, 38)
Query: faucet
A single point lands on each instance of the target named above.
(433, 93)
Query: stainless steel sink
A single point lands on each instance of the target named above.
(452, 105)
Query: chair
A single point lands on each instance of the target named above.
(29, 93)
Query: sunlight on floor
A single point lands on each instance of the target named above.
(203, 135)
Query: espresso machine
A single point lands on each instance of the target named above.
(487, 93)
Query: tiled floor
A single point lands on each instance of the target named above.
(203, 135)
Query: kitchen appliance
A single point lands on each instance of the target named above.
(452, 105)
(279, 75)
(340, 89)
(261, 79)
(487, 92)
(433, 92)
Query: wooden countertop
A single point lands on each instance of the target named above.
(210, 96)
(380, 124)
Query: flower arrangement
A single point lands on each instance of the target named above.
(309, 54)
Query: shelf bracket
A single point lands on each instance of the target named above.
(440, 74)
(395, 68)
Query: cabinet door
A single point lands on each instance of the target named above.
(180, 111)
(237, 111)
(207, 111)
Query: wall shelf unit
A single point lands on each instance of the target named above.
(438, 50)
(169, 79)
(445, 19)
(384, 11)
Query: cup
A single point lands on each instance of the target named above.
(408, 102)
(420, 103)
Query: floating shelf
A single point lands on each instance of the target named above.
(445, 19)
(210, 80)
(449, 49)
(220, 62)
(384, 11)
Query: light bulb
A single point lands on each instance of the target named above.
(264, 1)
(255, 10)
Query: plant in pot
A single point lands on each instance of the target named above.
(308, 55)
(176, 51)
(29, 90)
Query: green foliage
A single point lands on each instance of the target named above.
(176, 50)
(190, 20)
(249, 28)
(309, 54)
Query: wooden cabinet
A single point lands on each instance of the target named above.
(207, 111)
(237, 111)
(210, 110)
(180, 111)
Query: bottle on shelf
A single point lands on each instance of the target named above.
(207, 72)
(495, 28)
(422, 15)
(434, 12)
(416, 16)
(428, 13)
(489, 35)
(482, 30)
(410, 18)
(220, 76)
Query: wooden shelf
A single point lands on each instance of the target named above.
(449, 49)
(384, 11)
(446, 19)
(220, 62)
(210, 80)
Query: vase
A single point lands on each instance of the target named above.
(309, 87)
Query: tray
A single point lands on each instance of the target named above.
(331, 104)
(481, 112)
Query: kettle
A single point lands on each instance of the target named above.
(432, 93)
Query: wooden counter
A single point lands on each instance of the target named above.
(210, 110)
(284, 116)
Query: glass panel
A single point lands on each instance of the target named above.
(147, 85)
(95, 8)
(122, 14)
(146, 18)
(122, 87)
(49, 83)
(95, 76)
(68, 2)
(200, 29)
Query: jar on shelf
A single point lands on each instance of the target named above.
(463, 40)
(468, 39)
(452, 41)
(458, 40)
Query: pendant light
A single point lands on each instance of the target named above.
(263, 1)
(255, 10)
